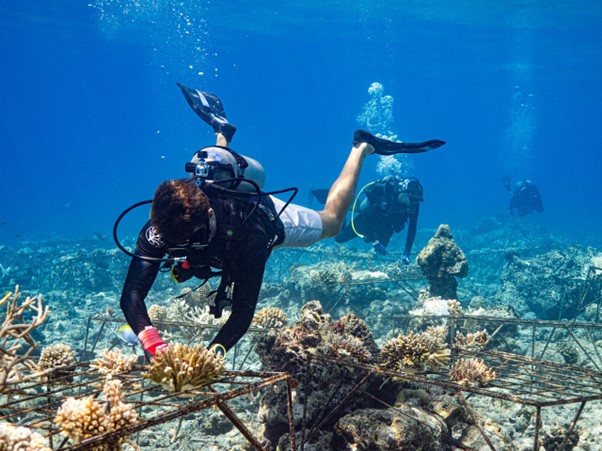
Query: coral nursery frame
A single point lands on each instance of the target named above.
(34, 404)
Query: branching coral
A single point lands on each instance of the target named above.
(471, 342)
(471, 371)
(21, 438)
(113, 362)
(81, 419)
(270, 318)
(415, 352)
(56, 356)
(181, 367)
(19, 321)
(157, 312)
(348, 348)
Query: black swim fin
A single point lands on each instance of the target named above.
(209, 108)
(387, 147)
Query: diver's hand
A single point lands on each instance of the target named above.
(405, 259)
(152, 343)
(379, 248)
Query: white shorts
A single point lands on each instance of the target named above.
(302, 226)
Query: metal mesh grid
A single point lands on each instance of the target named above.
(518, 379)
(34, 404)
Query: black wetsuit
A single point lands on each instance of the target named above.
(526, 199)
(240, 249)
(382, 215)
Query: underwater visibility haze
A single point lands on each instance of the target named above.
(93, 121)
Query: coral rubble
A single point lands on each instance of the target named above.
(182, 367)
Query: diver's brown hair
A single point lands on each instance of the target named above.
(179, 207)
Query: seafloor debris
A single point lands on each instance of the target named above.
(182, 367)
(21, 438)
(113, 362)
(415, 352)
(471, 371)
(270, 318)
(18, 324)
(83, 418)
(442, 261)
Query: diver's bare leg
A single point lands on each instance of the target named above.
(342, 191)
(220, 140)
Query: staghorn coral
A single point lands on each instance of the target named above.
(19, 321)
(181, 367)
(471, 371)
(21, 438)
(81, 419)
(415, 352)
(270, 318)
(113, 362)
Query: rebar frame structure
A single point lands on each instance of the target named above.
(591, 331)
(519, 379)
(34, 405)
(93, 337)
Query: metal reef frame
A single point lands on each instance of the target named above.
(519, 379)
(34, 405)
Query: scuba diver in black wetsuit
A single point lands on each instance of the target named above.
(525, 198)
(220, 219)
(388, 205)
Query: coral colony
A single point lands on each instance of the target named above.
(380, 354)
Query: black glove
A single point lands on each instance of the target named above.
(379, 248)
(405, 259)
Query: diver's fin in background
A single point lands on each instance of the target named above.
(387, 147)
(210, 109)
(320, 194)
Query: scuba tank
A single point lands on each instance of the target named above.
(217, 163)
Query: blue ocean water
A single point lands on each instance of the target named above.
(92, 119)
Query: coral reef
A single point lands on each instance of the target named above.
(471, 372)
(441, 262)
(19, 322)
(21, 438)
(390, 429)
(83, 418)
(181, 367)
(315, 336)
(415, 352)
(112, 362)
(56, 357)
(551, 285)
(157, 312)
(270, 318)
(471, 342)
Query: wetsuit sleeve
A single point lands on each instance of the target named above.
(247, 275)
(412, 226)
(139, 280)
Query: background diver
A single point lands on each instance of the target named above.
(388, 205)
(525, 198)
(219, 219)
